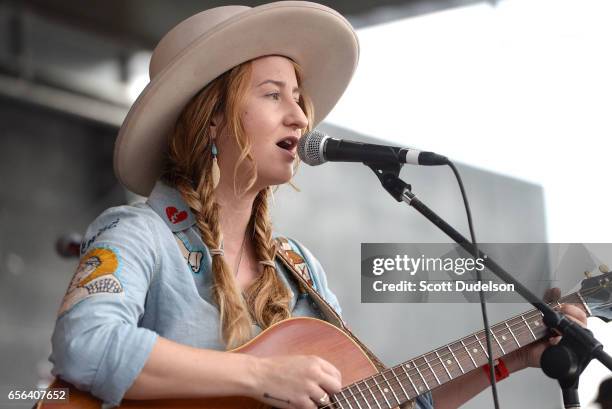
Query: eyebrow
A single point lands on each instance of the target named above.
(280, 84)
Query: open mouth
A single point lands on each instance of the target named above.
(288, 143)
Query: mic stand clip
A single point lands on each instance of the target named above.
(388, 174)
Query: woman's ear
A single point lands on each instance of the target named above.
(214, 125)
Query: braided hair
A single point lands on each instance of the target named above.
(189, 169)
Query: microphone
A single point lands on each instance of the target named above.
(316, 148)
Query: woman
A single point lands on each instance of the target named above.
(194, 273)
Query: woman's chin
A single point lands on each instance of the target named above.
(277, 178)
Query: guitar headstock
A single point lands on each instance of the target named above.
(597, 294)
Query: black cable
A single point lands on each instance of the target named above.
(483, 304)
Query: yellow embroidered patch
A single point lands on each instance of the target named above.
(94, 275)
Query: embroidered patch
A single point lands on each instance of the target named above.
(86, 243)
(295, 258)
(174, 215)
(95, 275)
(193, 258)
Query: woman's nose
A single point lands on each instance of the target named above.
(296, 117)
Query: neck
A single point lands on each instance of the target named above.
(234, 213)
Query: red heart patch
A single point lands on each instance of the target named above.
(174, 215)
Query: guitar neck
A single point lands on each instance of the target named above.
(409, 379)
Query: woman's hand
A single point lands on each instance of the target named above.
(529, 355)
(295, 381)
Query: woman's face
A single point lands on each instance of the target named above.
(273, 121)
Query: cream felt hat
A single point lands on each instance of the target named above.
(204, 46)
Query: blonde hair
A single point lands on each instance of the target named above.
(188, 168)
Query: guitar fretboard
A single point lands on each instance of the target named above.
(409, 379)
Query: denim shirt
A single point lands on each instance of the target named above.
(135, 281)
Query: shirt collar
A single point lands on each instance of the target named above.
(168, 203)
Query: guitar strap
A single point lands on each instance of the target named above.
(296, 264)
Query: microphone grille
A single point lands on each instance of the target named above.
(310, 148)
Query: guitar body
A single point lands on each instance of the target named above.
(295, 336)
(363, 386)
(391, 386)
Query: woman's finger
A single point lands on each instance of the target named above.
(320, 397)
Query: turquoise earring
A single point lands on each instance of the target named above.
(216, 172)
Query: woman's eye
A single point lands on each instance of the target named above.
(277, 96)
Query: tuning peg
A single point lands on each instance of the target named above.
(604, 268)
(587, 274)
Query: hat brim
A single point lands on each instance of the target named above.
(319, 39)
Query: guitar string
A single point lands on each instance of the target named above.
(414, 371)
(506, 330)
(522, 323)
(438, 362)
(427, 378)
(477, 336)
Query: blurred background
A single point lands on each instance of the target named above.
(517, 92)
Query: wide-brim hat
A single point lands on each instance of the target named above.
(204, 46)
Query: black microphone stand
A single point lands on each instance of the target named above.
(565, 361)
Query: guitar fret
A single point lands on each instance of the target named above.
(416, 390)
(518, 324)
(456, 360)
(444, 365)
(334, 401)
(469, 354)
(421, 375)
(372, 393)
(390, 387)
(512, 333)
(347, 400)
(432, 370)
(528, 327)
(364, 398)
(382, 392)
(498, 344)
(400, 383)
(482, 346)
(539, 323)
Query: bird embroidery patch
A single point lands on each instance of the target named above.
(95, 275)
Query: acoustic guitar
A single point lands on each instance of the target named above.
(363, 386)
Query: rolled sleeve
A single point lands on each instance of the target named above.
(97, 344)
